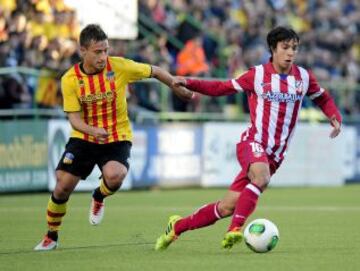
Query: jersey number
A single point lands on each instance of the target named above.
(256, 147)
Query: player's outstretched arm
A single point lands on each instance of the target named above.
(166, 78)
(207, 87)
(78, 124)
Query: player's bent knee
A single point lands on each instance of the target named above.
(262, 181)
(260, 177)
(115, 177)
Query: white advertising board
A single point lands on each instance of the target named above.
(177, 160)
(313, 158)
(118, 18)
(220, 165)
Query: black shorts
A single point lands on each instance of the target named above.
(80, 156)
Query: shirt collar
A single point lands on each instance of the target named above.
(270, 68)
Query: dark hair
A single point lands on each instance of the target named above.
(91, 32)
(278, 34)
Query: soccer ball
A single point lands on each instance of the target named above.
(261, 235)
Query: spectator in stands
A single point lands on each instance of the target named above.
(3, 30)
(191, 61)
(146, 94)
(14, 93)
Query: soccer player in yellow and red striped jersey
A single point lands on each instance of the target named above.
(94, 93)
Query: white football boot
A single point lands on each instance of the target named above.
(46, 244)
(96, 212)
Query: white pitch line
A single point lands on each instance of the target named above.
(312, 208)
(193, 208)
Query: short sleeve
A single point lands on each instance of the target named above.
(68, 89)
(245, 82)
(136, 70)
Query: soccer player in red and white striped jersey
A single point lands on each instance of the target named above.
(275, 91)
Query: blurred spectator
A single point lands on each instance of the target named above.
(13, 93)
(146, 95)
(48, 93)
(3, 30)
(191, 61)
(8, 6)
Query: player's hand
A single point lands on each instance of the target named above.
(178, 81)
(178, 86)
(99, 133)
(183, 93)
(337, 127)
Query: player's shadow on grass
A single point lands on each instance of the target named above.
(27, 251)
(17, 252)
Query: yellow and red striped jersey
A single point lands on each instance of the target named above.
(101, 98)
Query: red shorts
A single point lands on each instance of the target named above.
(249, 152)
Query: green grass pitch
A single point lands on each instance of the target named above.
(319, 230)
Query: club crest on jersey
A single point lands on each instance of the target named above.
(68, 158)
(110, 76)
(298, 86)
(81, 83)
(266, 86)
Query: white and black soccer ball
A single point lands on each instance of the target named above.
(261, 235)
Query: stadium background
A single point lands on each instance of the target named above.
(175, 144)
(217, 39)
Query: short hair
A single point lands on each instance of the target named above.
(278, 34)
(92, 32)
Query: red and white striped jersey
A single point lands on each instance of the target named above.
(274, 101)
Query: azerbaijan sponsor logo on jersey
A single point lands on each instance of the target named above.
(281, 97)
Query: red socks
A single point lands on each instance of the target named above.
(205, 216)
(245, 205)
(209, 214)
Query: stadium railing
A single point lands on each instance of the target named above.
(343, 92)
